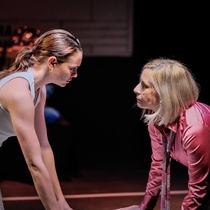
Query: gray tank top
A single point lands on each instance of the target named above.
(6, 127)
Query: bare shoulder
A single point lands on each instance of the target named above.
(15, 91)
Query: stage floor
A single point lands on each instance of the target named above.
(94, 189)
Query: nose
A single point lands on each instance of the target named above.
(136, 90)
(74, 74)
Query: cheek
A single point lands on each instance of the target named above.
(66, 73)
(150, 98)
(155, 100)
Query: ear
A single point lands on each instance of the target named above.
(52, 61)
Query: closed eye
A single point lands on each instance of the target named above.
(143, 85)
(73, 70)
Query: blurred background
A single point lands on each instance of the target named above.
(98, 125)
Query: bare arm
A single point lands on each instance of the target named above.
(16, 98)
(47, 153)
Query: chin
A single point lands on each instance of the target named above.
(61, 85)
(142, 107)
(139, 105)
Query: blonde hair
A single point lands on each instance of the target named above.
(56, 42)
(176, 88)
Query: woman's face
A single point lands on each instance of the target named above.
(146, 95)
(65, 72)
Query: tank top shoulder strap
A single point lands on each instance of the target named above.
(26, 74)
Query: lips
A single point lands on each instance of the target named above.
(139, 98)
(139, 102)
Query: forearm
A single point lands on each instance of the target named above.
(198, 188)
(43, 185)
(149, 202)
(198, 170)
(153, 186)
(49, 162)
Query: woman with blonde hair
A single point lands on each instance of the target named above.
(179, 128)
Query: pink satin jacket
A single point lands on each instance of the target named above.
(191, 148)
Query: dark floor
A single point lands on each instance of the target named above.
(94, 188)
(92, 179)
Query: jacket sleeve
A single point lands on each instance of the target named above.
(153, 185)
(196, 143)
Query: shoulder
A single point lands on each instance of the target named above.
(15, 91)
(26, 75)
(195, 121)
(198, 112)
(155, 130)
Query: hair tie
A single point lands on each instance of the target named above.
(32, 51)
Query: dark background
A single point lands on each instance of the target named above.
(106, 130)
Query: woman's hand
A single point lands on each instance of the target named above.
(64, 205)
(134, 207)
